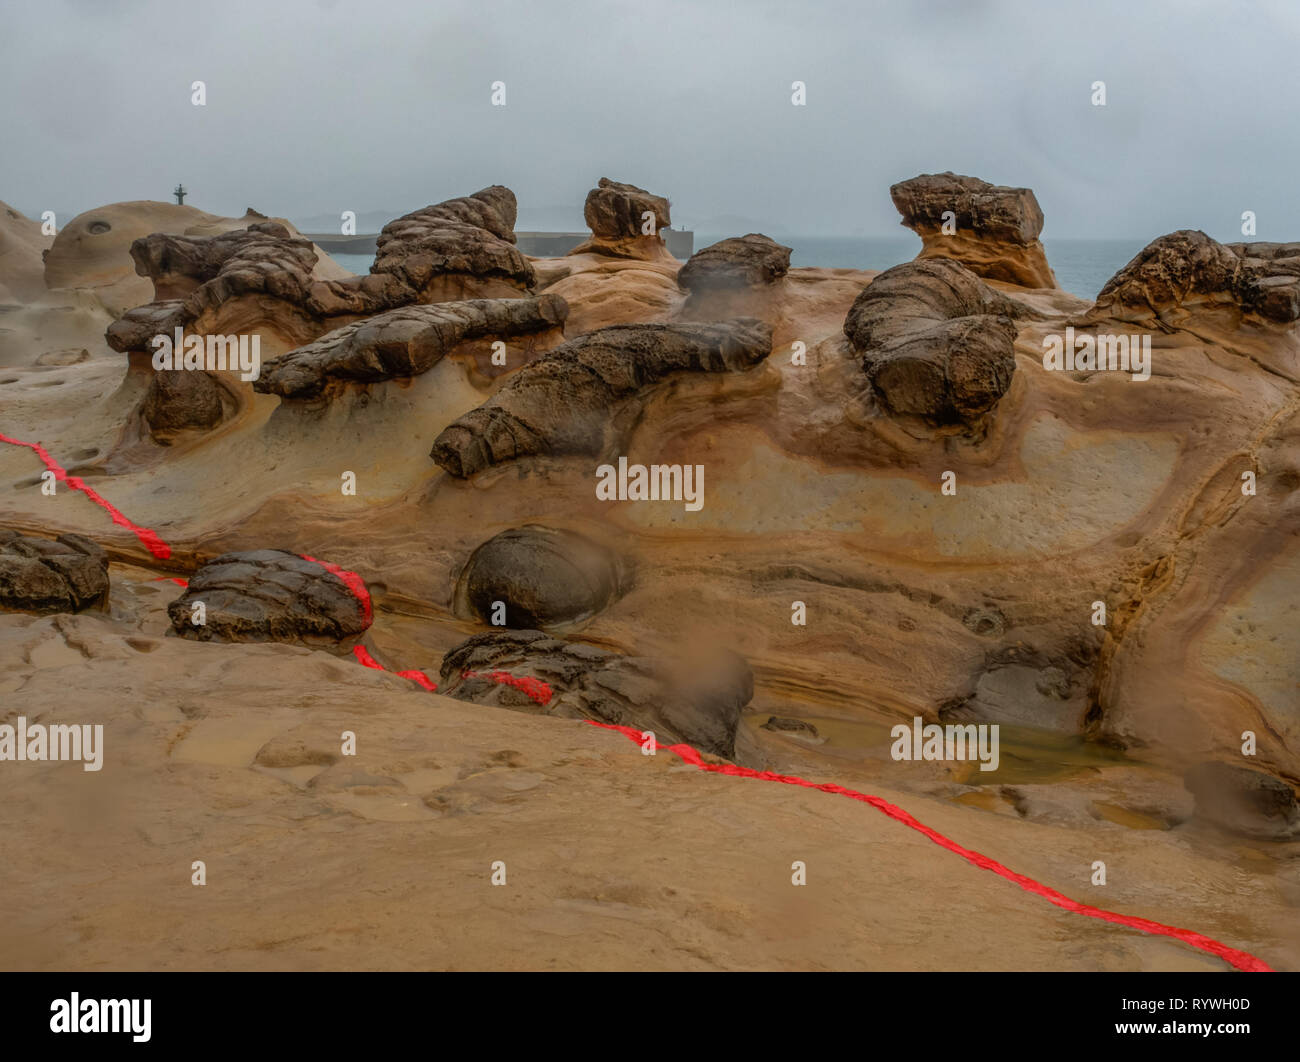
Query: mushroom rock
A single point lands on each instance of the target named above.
(543, 576)
(734, 277)
(582, 398)
(935, 341)
(250, 280)
(271, 595)
(695, 699)
(461, 249)
(616, 214)
(997, 228)
(93, 250)
(1186, 275)
(407, 342)
(67, 574)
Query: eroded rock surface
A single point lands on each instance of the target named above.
(543, 576)
(270, 595)
(66, 574)
(196, 276)
(1245, 801)
(404, 342)
(1186, 273)
(697, 702)
(615, 213)
(461, 248)
(997, 227)
(728, 265)
(935, 341)
(180, 401)
(578, 399)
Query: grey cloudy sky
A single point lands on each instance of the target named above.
(318, 107)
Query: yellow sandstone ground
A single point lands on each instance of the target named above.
(1086, 487)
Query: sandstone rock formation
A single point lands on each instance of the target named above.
(93, 250)
(22, 272)
(264, 279)
(66, 574)
(460, 249)
(1185, 275)
(405, 342)
(735, 264)
(700, 705)
(543, 576)
(935, 341)
(739, 277)
(196, 279)
(179, 401)
(270, 595)
(615, 213)
(578, 399)
(997, 228)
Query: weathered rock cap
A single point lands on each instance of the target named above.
(935, 340)
(990, 210)
(472, 236)
(263, 258)
(1245, 801)
(617, 211)
(403, 342)
(66, 574)
(696, 699)
(271, 595)
(577, 399)
(543, 577)
(1185, 271)
(194, 274)
(750, 261)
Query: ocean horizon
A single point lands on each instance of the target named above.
(1082, 266)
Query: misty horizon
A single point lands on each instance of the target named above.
(311, 111)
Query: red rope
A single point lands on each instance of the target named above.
(1240, 959)
(541, 693)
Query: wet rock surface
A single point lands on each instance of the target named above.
(268, 595)
(66, 574)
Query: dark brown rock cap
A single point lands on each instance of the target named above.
(66, 574)
(935, 340)
(269, 595)
(616, 211)
(471, 236)
(750, 261)
(404, 342)
(544, 577)
(988, 210)
(1187, 269)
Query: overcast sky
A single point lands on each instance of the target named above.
(318, 107)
